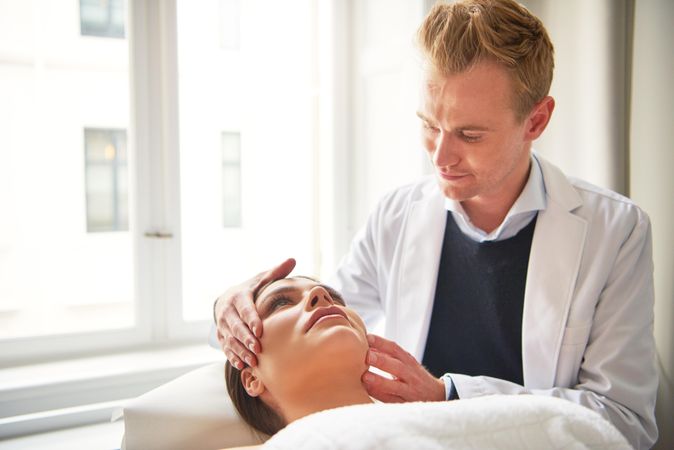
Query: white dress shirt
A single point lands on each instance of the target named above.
(525, 208)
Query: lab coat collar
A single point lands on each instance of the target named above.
(553, 267)
(554, 264)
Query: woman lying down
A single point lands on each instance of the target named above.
(306, 390)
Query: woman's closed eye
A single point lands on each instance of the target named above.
(277, 303)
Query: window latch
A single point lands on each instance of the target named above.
(158, 235)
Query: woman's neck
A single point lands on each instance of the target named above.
(325, 394)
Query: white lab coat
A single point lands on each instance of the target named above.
(587, 327)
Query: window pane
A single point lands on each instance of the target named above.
(231, 195)
(231, 148)
(231, 179)
(104, 18)
(260, 182)
(105, 160)
(55, 276)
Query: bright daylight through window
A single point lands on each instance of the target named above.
(66, 260)
(248, 96)
(107, 228)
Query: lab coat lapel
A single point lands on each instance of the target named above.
(419, 262)
(554, 262)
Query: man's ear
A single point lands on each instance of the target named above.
(251, 383)
(539, 117)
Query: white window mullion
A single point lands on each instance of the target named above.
(154, 93)
(176, 329)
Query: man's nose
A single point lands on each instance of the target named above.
(445, 154)
(318, 296)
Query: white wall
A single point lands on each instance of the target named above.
(386, 147)
(587, 136)
(651, 179)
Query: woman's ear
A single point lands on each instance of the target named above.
(251, 383)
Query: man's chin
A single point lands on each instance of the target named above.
(453, 192)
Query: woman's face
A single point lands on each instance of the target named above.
(307, 333)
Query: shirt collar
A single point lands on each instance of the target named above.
(531, 199)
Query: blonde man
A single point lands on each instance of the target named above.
(498, 274)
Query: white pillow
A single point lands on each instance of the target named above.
(191, 412)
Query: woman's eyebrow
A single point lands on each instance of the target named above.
(277, 291)
(334, 294)
(284, 289)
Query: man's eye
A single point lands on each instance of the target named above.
(471, 137)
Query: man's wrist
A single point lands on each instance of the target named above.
(450, 389)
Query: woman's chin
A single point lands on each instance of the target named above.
(339, 331)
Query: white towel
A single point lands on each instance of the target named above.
(494, 422)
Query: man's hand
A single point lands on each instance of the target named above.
(411, 381)
(239, 325)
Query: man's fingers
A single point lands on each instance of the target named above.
(233, 359)
(390, 347)
(241, 333)
(383, 389)
(283, 269)
(386, 398)
(276, 273)
(234, 348)
(245, 306)
(388, 364)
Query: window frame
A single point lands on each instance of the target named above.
(154, 215)
(154, 183)
(154, 208)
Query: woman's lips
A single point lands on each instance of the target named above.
(323, 312)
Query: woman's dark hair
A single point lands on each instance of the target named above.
(251, 409)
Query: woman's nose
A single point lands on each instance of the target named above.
(318, 296)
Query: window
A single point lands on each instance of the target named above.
(60, 182)
(103, 18)
(247, 197)
(231, 180)
(106, 180)
(139, 199)
(139, 213)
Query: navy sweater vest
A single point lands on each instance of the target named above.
(476, 325)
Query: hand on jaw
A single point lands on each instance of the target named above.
(411, 381)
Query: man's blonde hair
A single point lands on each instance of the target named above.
(454, 37)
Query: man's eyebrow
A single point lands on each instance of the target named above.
(424, 118)
(472, 128)
(468, 127)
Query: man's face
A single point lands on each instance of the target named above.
(478, 147)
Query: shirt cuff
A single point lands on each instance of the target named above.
(450, 389)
